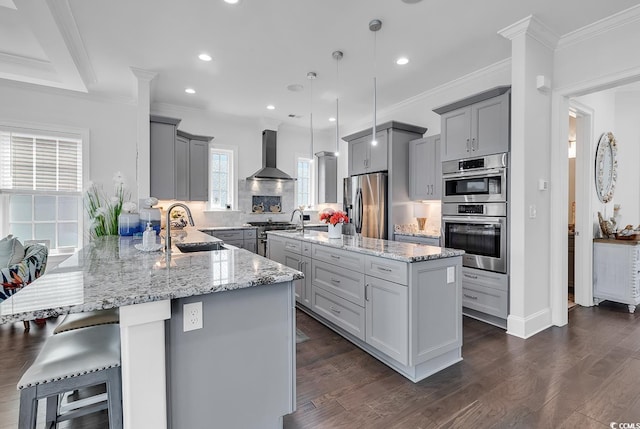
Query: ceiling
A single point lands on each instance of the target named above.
(259, 47)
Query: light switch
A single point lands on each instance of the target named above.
(451, 274)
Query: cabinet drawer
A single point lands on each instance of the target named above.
(249, 233)
(484, 278)
(293, 246)
(225, 235)
(387, 269)
(344, 314)
(350, 260)
(306, 248)
(341, 281)
(485, 299)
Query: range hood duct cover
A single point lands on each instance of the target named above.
(269, 170)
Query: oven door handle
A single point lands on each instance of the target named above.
(472, 219)
(475, 173)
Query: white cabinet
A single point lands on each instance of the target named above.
(616, 272)
(387, 318)
(476, 126)
(431, 241)
(425, 169)
(365, 157)
(290, 252)
(179, 162)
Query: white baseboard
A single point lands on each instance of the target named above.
(525, 327)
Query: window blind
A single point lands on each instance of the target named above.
(40, 163)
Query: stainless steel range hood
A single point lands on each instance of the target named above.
(269, 170)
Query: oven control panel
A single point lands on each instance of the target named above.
(470, 208)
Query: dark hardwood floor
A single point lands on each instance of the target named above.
(583, 375)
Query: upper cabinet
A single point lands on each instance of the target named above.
(425, 169)
(391, 140)
(179, 162)
(477, 125)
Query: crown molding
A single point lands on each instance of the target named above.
(595, 29)
(28, 62)
(143, 74)
(66, 92)
(534, 28)
(61, 11)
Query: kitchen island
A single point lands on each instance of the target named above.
(242, 359)
(400, 302)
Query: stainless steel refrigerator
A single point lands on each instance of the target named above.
(365, 201)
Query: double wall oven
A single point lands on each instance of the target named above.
(474, 211)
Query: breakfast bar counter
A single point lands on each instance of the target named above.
(247, 308)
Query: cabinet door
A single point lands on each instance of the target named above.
(387, 318)
(378, 154)
(163, 140)
(306, 282)
(250, 244)
(181, 154)
(293, 260)
(436, 186)
(359, 155)
(276, 248)
(198, 170)
(456, 130)
(490, 126)
(423, 162)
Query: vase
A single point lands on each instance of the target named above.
(335, 231)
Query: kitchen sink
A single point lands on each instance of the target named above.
(199, 247)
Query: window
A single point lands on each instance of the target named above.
(41, 185)
(221, 189)
(304, 191)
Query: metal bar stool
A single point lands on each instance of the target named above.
(87, 319)
(69, 361)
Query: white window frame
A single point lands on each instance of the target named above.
(232, 152)
(52, 130)
(312, 180)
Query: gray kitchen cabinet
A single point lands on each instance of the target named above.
(476, 126)
(289, 252)
(179, 162)
(364, 157)
(425, 169)
(242, 238)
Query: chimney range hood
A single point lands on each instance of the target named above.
(269, 170)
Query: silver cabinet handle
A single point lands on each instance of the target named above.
(366, 295)
(473, 143)
(388, 270)
(335, 257)
(335, 310)
(335, 281)
(470, 276)
(470, 296)
(467, 145)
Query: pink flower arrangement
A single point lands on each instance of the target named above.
(333, 217)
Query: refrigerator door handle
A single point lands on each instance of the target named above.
(358, 211)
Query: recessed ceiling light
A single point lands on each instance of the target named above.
(408, 1)
(205, 57)
(190, 91)
(271, 107)
(231, 1)
(402, 61)
(332, 119)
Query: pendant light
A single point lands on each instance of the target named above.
(374, 26)
(337, 55)
(311, 76)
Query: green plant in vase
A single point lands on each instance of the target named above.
(103, 210)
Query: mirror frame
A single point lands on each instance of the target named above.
(606, 181)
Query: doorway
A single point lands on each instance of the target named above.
(571, 210)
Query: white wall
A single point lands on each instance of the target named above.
(627, 133)
(112, 125)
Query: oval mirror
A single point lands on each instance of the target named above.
(606, 166)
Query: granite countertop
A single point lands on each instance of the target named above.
(407, 252)
(111, 272)
(426, 234)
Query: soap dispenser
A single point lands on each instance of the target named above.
(149, 236)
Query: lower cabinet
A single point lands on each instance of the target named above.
(292, 253)
(345, 314)
(387, 316)
(242, 238)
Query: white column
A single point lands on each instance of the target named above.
(144, 387)
(143, 147)
(532, 48)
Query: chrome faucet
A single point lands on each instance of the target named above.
(167, 235)
(301, 218)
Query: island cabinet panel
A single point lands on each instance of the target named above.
(339, 311)
(349, 260)
(435, 301)
(387, 317)
(343, 282)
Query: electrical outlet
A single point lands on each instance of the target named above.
(192, 314)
